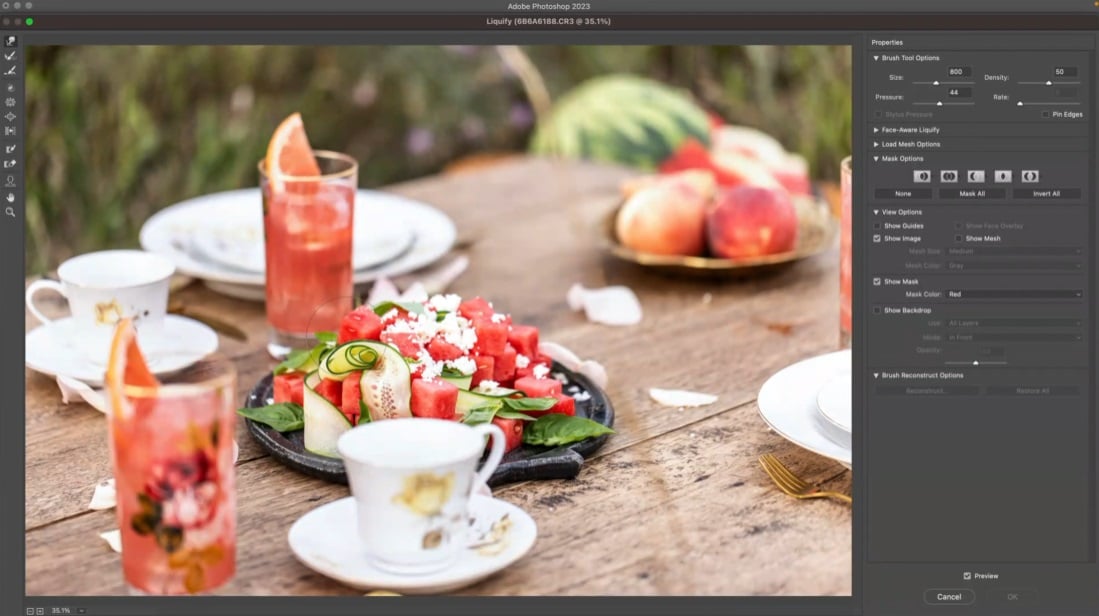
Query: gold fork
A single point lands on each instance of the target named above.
(793, 485)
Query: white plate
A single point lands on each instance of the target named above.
(788, 403)
(834, 402)
(326, 541)
(234, 240)
(182, 342)
(169, 233)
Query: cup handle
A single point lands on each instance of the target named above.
(494, 455)
(42, 285)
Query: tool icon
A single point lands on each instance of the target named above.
(10, 198)
(10, 211)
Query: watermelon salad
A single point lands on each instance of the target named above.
(446, 358)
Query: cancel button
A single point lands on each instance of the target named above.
(949, 596)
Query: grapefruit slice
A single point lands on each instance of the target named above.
(126, 367)
(289, 154)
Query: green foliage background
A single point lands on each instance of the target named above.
(115, 133)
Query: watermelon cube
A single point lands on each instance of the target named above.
(351, 396)
(359, 324)
(538, 388)
(288, 387)
(435, 398)
(441, 350)
(532, 363)
(331, 391)
(503, 371)
(486, 367)
(492, 337)
(475, 307)
(566, 405)
(525, 339)
(513, 432)
(405, 342)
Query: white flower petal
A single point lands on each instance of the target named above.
(73, 390)
(594, 371)
(615, 305)
(383, 291)
(681, 398)
(113, 539)
(415, 293)
(560, 354)
(104, 496)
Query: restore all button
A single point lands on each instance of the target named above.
(949, 596)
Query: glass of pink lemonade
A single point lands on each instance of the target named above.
(845, 252)
(308, 222)
(172, 449)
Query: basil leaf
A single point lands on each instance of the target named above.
(480, 415)
(364, 413)
(439, 316)
(304, 361)
(452, 373)
(530, 404)
(413, 307)
(556, 429)
(510, 414)
(293, 361)
(327, 338)
(283, 417)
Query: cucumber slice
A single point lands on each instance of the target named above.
(387, 384)
(354, 356)
(324, 423)
(469, 400)
(461, 382)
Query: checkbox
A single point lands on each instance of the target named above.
(877, 238)
(877, 225)
(877, 282)
(957, 238)
(967, 576)
(877, 309)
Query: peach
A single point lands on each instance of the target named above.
(667, 218)
(750, 221)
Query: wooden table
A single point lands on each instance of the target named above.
(674, 504)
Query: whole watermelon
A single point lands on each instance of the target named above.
(621, 119)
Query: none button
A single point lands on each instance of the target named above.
(949, 596)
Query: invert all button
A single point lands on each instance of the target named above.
(1029, 176)
(949, 596)
(1002, 176)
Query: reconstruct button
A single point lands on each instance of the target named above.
(949, 596)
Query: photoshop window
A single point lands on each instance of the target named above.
(624, 306)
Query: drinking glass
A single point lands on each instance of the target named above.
(845, 252)
(308, 241)
(172, 450)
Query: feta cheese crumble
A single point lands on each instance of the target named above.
(522, 361)
(499, 318)
(445, 303)
(465, 365)
(540, 371)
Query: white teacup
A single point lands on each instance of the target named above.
(411, 480)
(102, 288)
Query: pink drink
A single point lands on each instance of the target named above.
(173, 466)
(308, 235)
(845, 253)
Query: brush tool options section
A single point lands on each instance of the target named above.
(978, 220)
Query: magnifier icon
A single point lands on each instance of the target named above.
(10, 211)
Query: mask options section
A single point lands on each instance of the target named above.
(978, 219)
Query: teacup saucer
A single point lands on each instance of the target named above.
(181, 343)
(326, 541)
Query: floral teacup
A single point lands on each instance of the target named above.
(411, 480)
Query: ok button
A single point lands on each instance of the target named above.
(949, 596)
